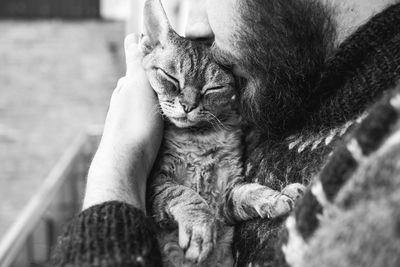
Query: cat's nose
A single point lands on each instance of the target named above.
(187, 107)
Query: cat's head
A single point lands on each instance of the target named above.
(192, 88)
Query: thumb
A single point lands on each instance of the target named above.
(133, 56)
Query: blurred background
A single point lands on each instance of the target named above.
(59, 63)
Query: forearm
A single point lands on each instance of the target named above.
(117, 174)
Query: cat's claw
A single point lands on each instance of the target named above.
(294, 191)
(197, 239)
(281, 203)
(274, 207)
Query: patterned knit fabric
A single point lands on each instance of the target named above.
(359, 145)
(365, 65)
(112, 234)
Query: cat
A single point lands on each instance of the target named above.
(196, 191)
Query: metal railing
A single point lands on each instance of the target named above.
(29, 240)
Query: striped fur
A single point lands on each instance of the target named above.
(336, 186)
(197, 190)
(187, 189)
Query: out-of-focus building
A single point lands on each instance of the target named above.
(130, 10)
(115, 9)
(73, 9)
(175, 10)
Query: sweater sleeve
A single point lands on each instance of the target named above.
(107, 235)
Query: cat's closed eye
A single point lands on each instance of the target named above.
(173, 86)
(219, 90)
(214, 89)
(217, 96)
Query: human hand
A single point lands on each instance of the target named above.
(131, 138)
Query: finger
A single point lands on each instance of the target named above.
(184, 237)
(119, 87)
(133, 56)
(121, 82)
(131, 39)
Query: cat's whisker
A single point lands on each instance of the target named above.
(216, 126)
(158, 110)
(167, 109)
(211, 120)
(167, 106)
(213, 125)
(218, 121)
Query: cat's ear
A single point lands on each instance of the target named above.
(156, 27)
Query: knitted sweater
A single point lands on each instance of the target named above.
(112, 234)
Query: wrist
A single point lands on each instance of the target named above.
(118, 172)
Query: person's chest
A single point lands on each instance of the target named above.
(295, 159)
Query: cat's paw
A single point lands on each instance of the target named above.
(294, 191)
(249, 201)
(197, 237)
(274, 206)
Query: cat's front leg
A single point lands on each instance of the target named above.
(179, 204)
(245, 201)
(197, 229)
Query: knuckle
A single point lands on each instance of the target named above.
(130, 39)
(121, 81)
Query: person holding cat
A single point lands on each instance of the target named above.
(116, 182)
(302, 87)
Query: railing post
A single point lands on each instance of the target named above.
(51, 237)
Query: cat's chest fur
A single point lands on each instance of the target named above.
(204, 161)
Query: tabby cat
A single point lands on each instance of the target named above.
(196, 190)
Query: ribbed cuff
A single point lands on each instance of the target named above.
(111, 234)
